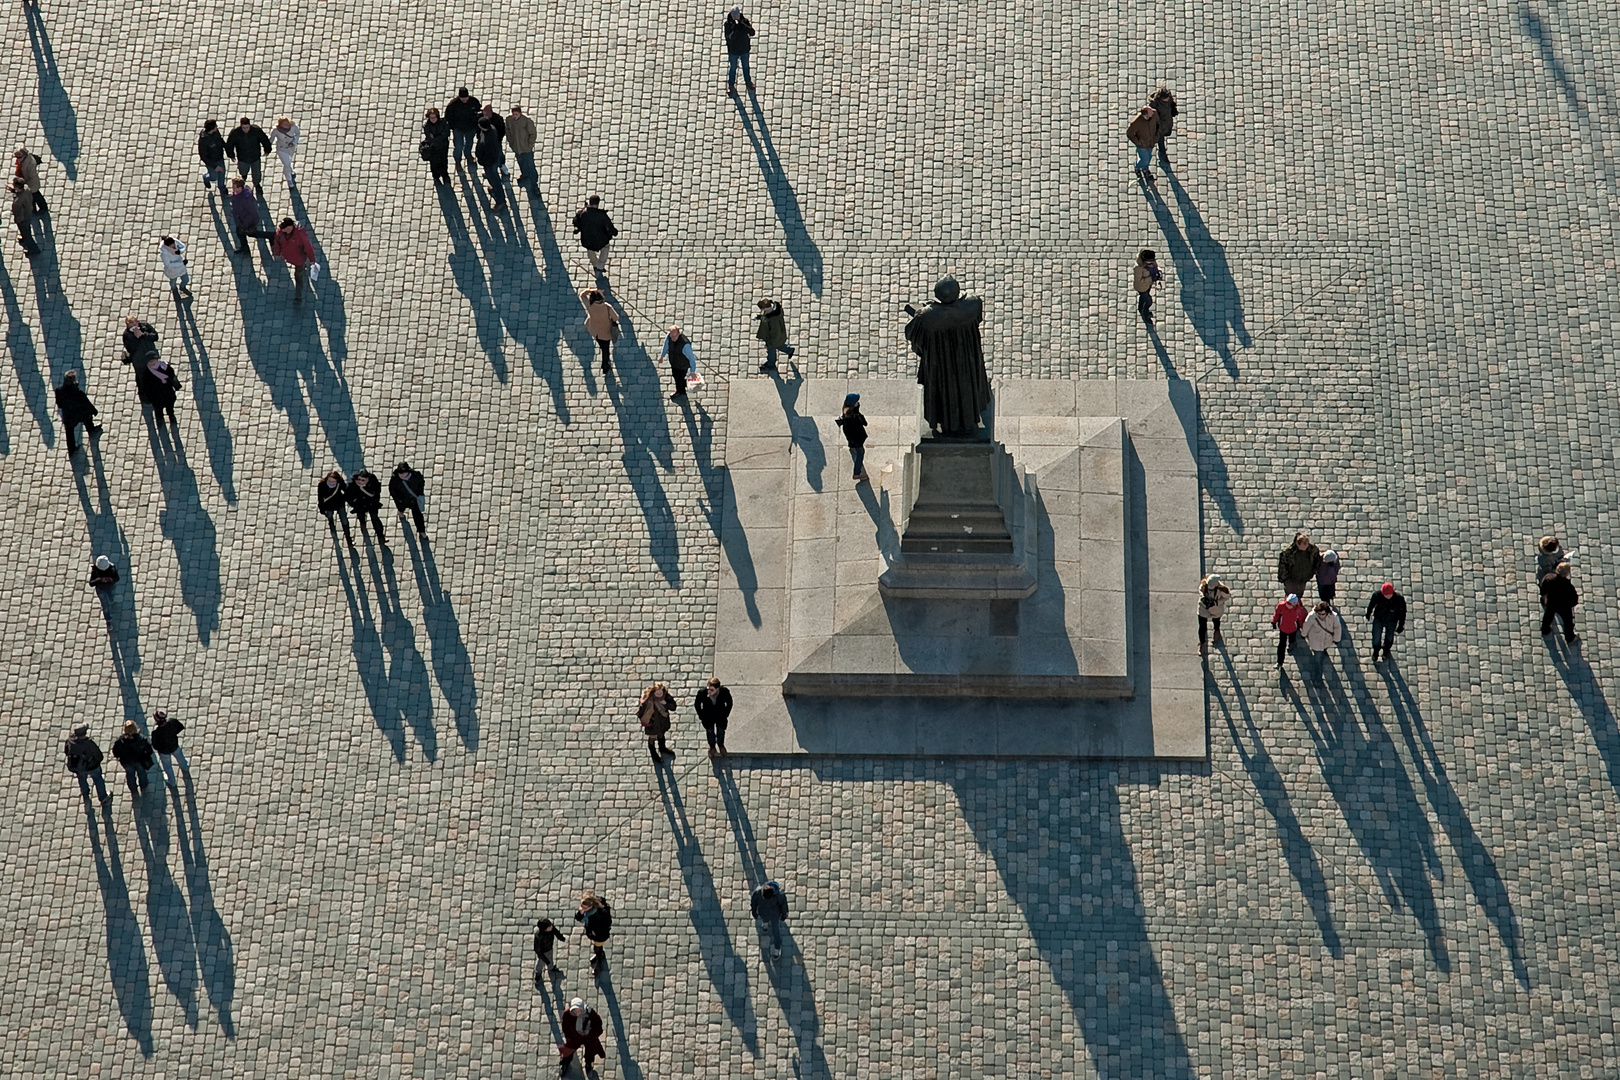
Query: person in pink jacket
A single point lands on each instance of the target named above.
(1288, 618)
(292, 245)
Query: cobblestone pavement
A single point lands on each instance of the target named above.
(1388, 239)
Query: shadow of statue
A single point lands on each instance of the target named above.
(806, 435)
(1589, 698)
(126, 949)
(410, 694)
(1477, 864)
(452, 667)
(367, 647)
(167, 914)
(1273, 792)
(187, 526)
(31, 380)
(806, 255)
(205, 395)
(628, 1068)
(56, 116)
(468, 273)
(216, 956)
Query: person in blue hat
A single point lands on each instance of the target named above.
(854, 425)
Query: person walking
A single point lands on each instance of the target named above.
(769, 906)
(285, 137)
(134, 753)
(1287, 619)
(678, 350)
(773, 332)
(546, 936)
(1558, 597)
(596, 231)
(435, 148)
(854, 426)
(293, 246)
(739, 35)
(26, 169)
(211, 149)
(332, 498)
(1143, 132)
(713, 708)
(1213, 597)
(488, 154)
(244, 213)
(246, 145)
(409, 491)
(581, 1026)
(1549, 553)
(595, 917)
(1297, 564)
(166, 741)
(602, 322)
(488, 118)
(1163, 103)
(653, 714)
(22, 215)
(462, 115)
(1322, 630)
(1327, 577)
(1387, 610)
(172, 257)
(103, 574)
(140, 341)
(520, 136)
(365, 496)
(75, 408)
(84, 761)
(1144, 276)
(156, 384)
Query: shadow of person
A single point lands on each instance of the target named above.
(409, 692)
(468, 273)
(118, 602)
(126, 950)
(878, 509)
(1589, 698)
(188, 527)
(1477, 864)
(806, 435)
(452, 667)
(166, 911)
(59, 329)
(367, 647)
(539, 305)
(205, 395)
(1213, 302)
(1268, 785)
(728, 972)
(25, 359)
(326, 295)
(56, 116)
(803, 250)
(216, 956)
(628, 1068)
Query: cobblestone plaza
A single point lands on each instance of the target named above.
(1387, 234)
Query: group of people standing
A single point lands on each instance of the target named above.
(362, 493)
(134, 751)
(712, 705)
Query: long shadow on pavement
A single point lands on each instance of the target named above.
(367, 647)
(806, 435)
(25, 359)
(1208, 294)
(626, 1063)
(126, 948)
(216, 955)
(1583, 687)
(806, 255)
(410, 693)
(469, 276)
(167, 913)
(205, 395)
(59, 329)
(118, 608)
(56, 115)
(452, 667)
(187, 526)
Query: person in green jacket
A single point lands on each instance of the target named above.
(773, 332)
(1298, 563)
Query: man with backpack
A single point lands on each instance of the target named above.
(84, 761)
(769, 906)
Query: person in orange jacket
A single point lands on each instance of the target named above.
(1288, 619)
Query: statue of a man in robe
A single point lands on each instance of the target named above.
(945, 337)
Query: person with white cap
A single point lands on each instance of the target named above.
(1327, 577)
(854, 425)
(103, 574)
(581, 1026)
(1288, 618)
(1213, 596)
(1387, 610)
(84, 761)
(166, 741)
(172, 256)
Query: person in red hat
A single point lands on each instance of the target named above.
(1387, 610)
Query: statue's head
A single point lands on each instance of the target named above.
(947, 290)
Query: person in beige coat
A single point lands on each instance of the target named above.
(520, 136)
(1213, 597)
(1321, 631)
(27, 170)
(603, 323)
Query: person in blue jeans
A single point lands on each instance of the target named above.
(854, 425)
(769, 906)
(739, 32)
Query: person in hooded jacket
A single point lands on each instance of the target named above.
(1327, 577)
(1321, 631)
(134, 753)
(1287, 619)
(581, 1026)
(211, 149)
(739, 34)
(1213, 597)
(773, 332)
(365, 495)
(166, 741)
(436, 145)
(84, 761)
(75, 408)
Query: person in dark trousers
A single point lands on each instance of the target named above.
(156, 384)
(773, 332)
(854, 425)
(134, 753)
(1298, 563)
(84, 761)
(546, 936)
(103, 574)
(596, 231)
(211, 149)
(1327, 577)
(409, 491)
(166, 741)
(140, 341)
(435, 147)
(602, 322)
(595, 917)
(1288, 618)
(1549, 553)
(365, 495)
(292, 245)
(1558, 597)
(27, 170)
(1144, 276)
(246, 145)
(332, 497)
(1163, 103)
(462, 114)
(1387, 610)
(489, 119)
(653, 714)
(1213, 597)
(713, 708)
(739, 35)
(520, 136)
(769, 905)
(581, 1026)
(22, 215)
(678, 350)
(75, 408)
(488, 154)
(244, 213)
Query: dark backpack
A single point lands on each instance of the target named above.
(84, 757)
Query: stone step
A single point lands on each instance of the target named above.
(966, 530)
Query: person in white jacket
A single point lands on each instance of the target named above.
(1321, 631)
(172, 254)
(285, 138)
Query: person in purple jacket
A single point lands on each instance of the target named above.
(1327, 577)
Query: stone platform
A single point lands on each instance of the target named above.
(1097, 663)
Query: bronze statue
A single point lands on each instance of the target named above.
(945, 337)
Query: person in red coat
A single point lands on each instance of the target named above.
(581, 1026)
(1288, 618)
(292, 245)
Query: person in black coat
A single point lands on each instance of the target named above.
(854, 425)
(1558, 597)
(103, 574)
(211, 149)
(739, 33)
(365, 495)
(436, 145)
(546, 936)
(462, 115)
(595, 230)
(332, 497)
(166, 741)
(247, 146)
(410, 494)
(76, 408)
(84, 761)
(156, 385)
(713, 708)
(1387, 610)
(490, 156)
(140, 341)
(134, 753)
(596, 918)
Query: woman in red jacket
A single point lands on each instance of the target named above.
(1288, 618)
